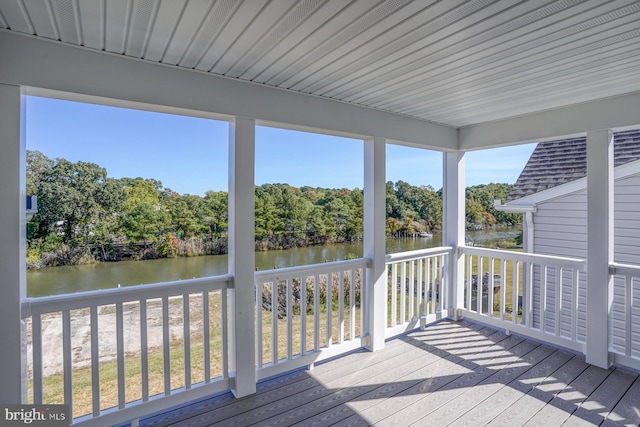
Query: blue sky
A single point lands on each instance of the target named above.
(189, 155)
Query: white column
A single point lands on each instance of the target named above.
(599, 244)
(242, 255)
(453, 223)
(12, 244)
(374, 240)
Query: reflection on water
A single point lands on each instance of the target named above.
(57, 280)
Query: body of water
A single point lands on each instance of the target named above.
(105, 275)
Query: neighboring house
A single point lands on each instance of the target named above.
(31, 207)
(551, 192)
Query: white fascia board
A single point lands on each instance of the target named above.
(615, 113)
(514, 208)
(54, 66)
(622, 171)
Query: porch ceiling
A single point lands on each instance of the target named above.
(453, 62)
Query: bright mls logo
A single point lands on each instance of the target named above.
(36, 415)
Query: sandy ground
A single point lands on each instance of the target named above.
(81, 332)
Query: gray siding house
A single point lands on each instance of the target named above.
(551, 192)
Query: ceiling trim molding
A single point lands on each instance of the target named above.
(50, 65)
(615, 113)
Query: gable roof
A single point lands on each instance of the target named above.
(554, 163)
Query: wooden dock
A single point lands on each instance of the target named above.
(452, 373)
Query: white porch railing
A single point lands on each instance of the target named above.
(624, 316)
(309, 313)
(543, 297)
(167, 344)
(418, 290)
(138, 350)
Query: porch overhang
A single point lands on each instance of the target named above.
(53, 69)
(457, 102)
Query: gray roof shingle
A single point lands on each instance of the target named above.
(553, 163)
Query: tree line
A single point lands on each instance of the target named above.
(83, 214)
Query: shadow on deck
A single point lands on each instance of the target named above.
(452, 373)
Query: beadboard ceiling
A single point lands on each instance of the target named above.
(451, 61)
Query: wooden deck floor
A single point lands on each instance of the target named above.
(458, 374)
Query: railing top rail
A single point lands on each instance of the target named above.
(309, 270)
(55, 303)
(551, 260)
(625, 269)
(420, 253)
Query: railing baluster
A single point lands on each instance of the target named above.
(394, 296)
(412, 278)
(628, 306)
(289, 302)
(490, 288)
(480, 284)
(528, 284)
(316, 313)
(144, 350)
(206, 335)
(515, 304)
(574, 305)
(165, 346)
(403, 292)
(186, 340)
(503, 287)
(352, 303)
(558, 299)
(469, 286)
(274, 321)
(303, 315)
(329, 303)
(120, 354)
(442, 288)
(430, 293)
(364, 295)
(544, 270)
(438, 285)
(259, 323)
(66, 360)
(341, 307)
(95, 361)
(36, 333)
(420, 288)
(225, 332)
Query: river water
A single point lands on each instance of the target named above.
(59, 280)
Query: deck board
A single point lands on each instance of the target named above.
(598, 405)
(451, 373)
(627, 411)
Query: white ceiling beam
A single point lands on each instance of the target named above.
(53, 66)
(609, 113)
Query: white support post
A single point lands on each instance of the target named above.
(12, 245)
(374, 240)
(453, 224)
(599, 244)
(242, 256)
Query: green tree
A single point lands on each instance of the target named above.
(218, 207)
(144, 223)
(37, 165)
(183, 218)
(141, 191)
(79, 200)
